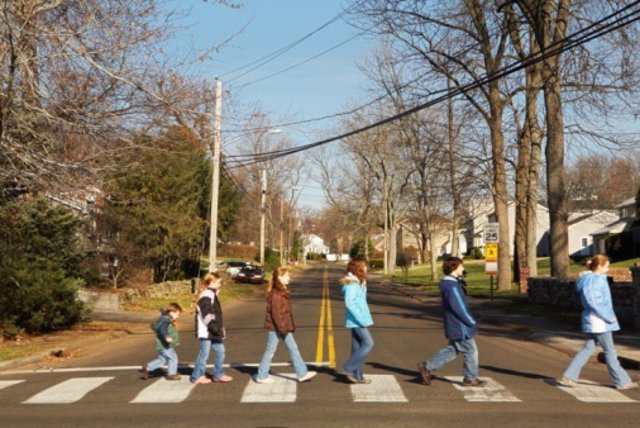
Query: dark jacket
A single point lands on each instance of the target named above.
(279, 316)
(209, 321)
(164, 327)
(458, 322)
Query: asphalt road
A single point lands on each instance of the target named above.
(108, 390)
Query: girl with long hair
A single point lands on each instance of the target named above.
(280, 325)
(358, 319)
(210, 331)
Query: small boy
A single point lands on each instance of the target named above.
(166, 340)
(459, 326)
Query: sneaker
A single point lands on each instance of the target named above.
(425, 374)
(310, 374)
(630, 385)
(173, 377)
(476, 383)
(350, 376)
(223, 379)
(266, 380)
(202, 380)
(364, 381)
(145, 373)
(565, 381)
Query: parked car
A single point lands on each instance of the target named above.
(233, 267)
(251, 273)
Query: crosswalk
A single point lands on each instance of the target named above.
(285, 389)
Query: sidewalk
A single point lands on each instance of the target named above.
(552, 333)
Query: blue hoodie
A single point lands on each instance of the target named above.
(598, 315)
(458, 322)
(355, 300)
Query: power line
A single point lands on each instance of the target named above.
(254, 65)
(556, 48)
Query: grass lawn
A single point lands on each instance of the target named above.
(478, 284)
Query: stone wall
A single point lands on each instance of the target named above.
(162, 289)
(562, 294)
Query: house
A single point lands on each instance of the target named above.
(626, 211)
(313, 244)
(581, 227)
(407, 238)
(543, 246)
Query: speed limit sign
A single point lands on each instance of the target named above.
(491, 232)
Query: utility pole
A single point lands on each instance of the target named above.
(263, 211)
(282, 231)
(215, 179)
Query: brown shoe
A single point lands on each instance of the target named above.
(425, 374)
(173, 377)
(475, 383)
(145, 373)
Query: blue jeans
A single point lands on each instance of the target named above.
(361, 345)
(617, 373)
(168, 357)
(272, 344)
(469, 352)
(200, 367)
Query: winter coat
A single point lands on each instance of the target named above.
(458, 322)
(164, 327)
(598, 315)
(209, 322)
(279, 316)
(355, 300)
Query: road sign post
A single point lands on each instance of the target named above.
(491, 235)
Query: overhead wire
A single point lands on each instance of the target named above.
(567, 43)
(254, 65)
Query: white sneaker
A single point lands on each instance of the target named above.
(266, 380)
(630, 385)
(565, 381)
(310, 374)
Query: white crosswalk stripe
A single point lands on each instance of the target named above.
(69, 391)
(492, 392)
(8, 383)
(383, 388)
(282, 390)
(590, 392)
(165, 391)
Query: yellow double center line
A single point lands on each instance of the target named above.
(325, 325)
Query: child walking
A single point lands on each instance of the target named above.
(358, 320)
(279, 322)
(167, 339)
(210, 331)
(459, 326)
(599, 321)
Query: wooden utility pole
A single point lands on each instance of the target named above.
(263, 210)
(282, 231)
(215, 180)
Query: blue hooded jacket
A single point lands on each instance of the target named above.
(458, 322)
(355, 300)
(598, 315)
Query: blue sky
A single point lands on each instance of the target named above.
(320, 87)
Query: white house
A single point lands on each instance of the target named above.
(582, 225)
(581, 229)
(314, 244)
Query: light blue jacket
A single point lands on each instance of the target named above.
(598, 315)
(355, 300)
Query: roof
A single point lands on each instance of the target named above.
(616, 227)
(629, 202)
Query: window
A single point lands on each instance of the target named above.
(585, 242)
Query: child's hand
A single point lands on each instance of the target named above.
(169, 340)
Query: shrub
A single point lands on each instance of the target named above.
(38, 265)
(271, 259)
(357, 249)
(315, 256)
